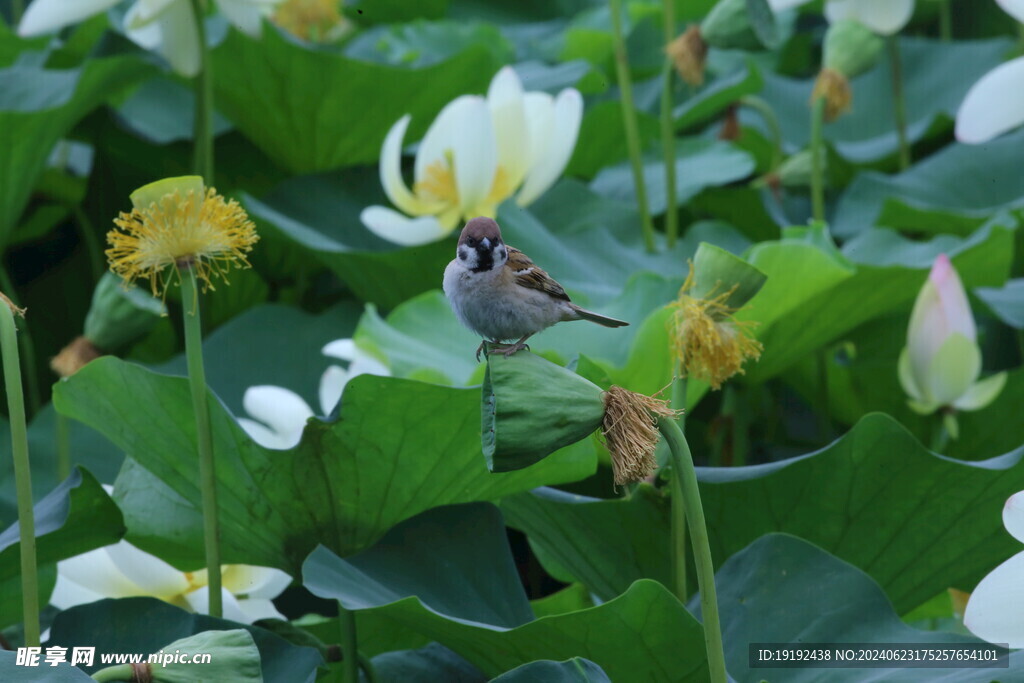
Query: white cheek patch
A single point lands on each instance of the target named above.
(468, 256)
(500, 255)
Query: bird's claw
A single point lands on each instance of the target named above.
(498, 347)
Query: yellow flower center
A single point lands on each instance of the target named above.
(313, 20)
(208, 234)
(438, 185)
(709, 342)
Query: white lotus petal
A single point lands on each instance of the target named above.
(391, 173)
(365, 364)
(995, 610)
(342, 349)
(255, 609)
(475, 155)
(508, 117)
(254, 582)
(540, 124)
(151, 574)
(180, 38)
(780, 5)
(83, 577)
(993, 105)
(401, 229)
(981, 393)
(332, 384)
(1015, 8)
(245, 15)
(440, 136)
(199, 601)
(146, 35)
(1013, 516)
(151, 9)
(281, 409)
(881, 16)
(67, 594)
(267, 437)
(47, 16)
(545, 170)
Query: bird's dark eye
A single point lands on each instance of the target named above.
(470, 241)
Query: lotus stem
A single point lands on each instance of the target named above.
(817, 170)
(203, 128)
(678, 551)
(349, 645)
(899, 106)
(28, 348)
(667, 131)
(767, 114)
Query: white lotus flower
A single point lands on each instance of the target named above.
(123, 571)
(281, 414)
(995, 610)
(167, 26)
(940, 365)
(884, 17)
(476, 153)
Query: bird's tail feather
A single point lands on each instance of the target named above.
(584, 314)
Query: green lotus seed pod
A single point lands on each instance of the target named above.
(531, 408)
(795, 171)
(232, 657)
(119, 316)
(851, 48)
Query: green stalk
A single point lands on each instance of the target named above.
(118, 672)
(668, 138)
(940, 435)
(817, 148)
(22, 475)
(62, 432)
(349, 646)
(203, 128)
(678, 550)
(767, 114)
(92, 243)
(629, 124)
(899, 106)
(683, 470)
(28, 348)
(945, 20)
(204, 436)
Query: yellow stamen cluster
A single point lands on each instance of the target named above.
(438, 184)
(835, 88)
(709, 342)
(688, 53)
(207, 233)
(312, 20)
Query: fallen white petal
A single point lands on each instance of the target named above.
(1013, 517)
(881, 16)
(993, 105)
(567, 113)
(267, 437)
(1015, 8)
(400, 229)
(995, 610)
(47, 16)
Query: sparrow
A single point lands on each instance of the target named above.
(498, 292)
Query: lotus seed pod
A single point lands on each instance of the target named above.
(850, 48)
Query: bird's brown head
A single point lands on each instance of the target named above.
(480, 245)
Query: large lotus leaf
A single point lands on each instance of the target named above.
(875, 498)
(12, 672)
(815, 293)
(1007, 302)
(73, 518)
(398, 447)
(425, 43)
(718, 95)
(426, 665)
(38, 107)
(316, 110)
(146, 625)
(700, 163)
(782, 589)
(936, 78)
(954, 190)
(575, 670)
(464, 593)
